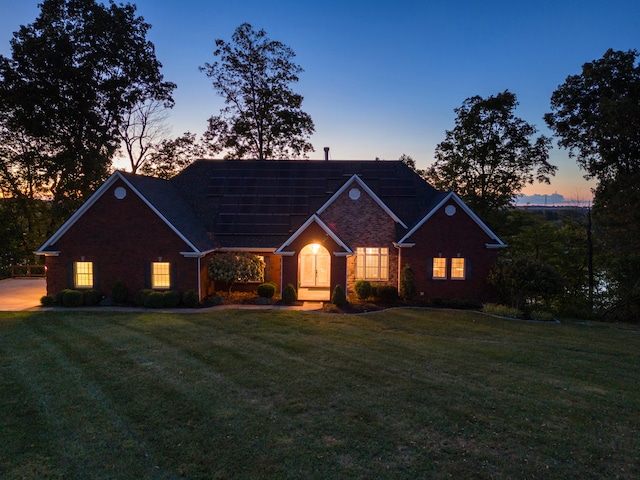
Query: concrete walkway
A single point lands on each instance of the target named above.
(21, 293)
(18, 294)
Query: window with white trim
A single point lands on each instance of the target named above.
(83, 274)
(458, 270)
(372, 263)
(160, 275)
(439, 268)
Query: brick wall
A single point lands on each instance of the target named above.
(452, 236)
(362, 223)
(121, 237)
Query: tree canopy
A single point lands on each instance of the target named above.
(596, 115)
(72, 75)
(490, 154)
(263, 117)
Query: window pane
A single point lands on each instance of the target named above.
(160, 275)
(439, 268)
(457, 268)
(84, 274)
(372, 263)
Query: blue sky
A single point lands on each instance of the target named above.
(382, 78)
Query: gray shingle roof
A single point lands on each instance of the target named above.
(259, 204)
(163, 195)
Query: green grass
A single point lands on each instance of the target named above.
(282, 394)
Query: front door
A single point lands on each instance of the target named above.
(315, 273)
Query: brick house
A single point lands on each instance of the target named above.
(316, 224)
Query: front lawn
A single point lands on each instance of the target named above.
(400, 393)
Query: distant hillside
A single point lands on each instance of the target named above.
(553, 200)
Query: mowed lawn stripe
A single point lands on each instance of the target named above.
(246, 394)
(79, 429)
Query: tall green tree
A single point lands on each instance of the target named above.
(170, 156)
(490, 155)
(263, 117)
(558, 240)
(596, 116)
(72, 75)
(25, 217)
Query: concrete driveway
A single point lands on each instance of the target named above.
(21, 293)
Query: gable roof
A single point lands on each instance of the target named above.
(355, 179)
(314, 219)
(161, 196)
(261, 203)
(497, 243)
(265, 204)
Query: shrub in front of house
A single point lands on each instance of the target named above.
(289, 295)
(267, 290)
(119, 293)
(408, 288)
(171, 298)
(363, 289)
(141, 296)
(216, 300)
(190, 299)
(154, 300)
(47, 301)
(72, 298)
(386, 293)
(501, 310)
(91, 298)
(339, 298)
(57, 298)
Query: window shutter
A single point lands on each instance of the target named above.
(96, 276)
(70, 277)
(173, 276)
(467, 266)
(430, 268)
(147, 275)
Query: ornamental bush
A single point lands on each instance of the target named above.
(171, 298)
(386, 293)
(339, 298)
(154, 300)
(190, 299)
(407, 283)
(72, 298)
(91, 297)
(289, 295)
(267, 290)
(215, 301)
(141, 296)
(47, 301)
(363, 289)
(59, 296)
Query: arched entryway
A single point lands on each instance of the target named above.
(314, 273)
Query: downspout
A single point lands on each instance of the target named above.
(399, 264)
(199, 280)
(281, 274)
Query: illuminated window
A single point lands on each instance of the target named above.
(83, 274)
(160, 275)
(372, 263)
(439, 268)
(458, 269)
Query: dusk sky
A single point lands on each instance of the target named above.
(383, 78)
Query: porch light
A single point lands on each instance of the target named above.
(315, 248)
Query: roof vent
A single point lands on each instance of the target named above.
(326, 154)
